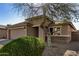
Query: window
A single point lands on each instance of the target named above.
(57, 30)
(51, 31)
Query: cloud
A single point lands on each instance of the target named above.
(76, 25)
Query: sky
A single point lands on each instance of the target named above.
(9, 16)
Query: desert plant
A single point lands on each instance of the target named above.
(24, 46)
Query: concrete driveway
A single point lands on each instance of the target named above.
(4, 41)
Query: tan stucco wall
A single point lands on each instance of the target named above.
(65, 29)
(36, 22)
(30, 31)
(41, 33)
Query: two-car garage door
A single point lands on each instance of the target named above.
(15, 33)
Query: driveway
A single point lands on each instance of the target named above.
(4, 41)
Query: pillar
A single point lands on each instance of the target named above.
(8, 34)
(49, 40)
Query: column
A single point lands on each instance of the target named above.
(8, 34)
(49, 40)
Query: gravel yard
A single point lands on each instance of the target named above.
(59, 49)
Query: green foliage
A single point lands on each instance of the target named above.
(24, 46)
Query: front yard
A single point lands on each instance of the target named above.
(59, 49)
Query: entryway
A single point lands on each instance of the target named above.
(36, 31)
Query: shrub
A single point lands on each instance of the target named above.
(24, 46)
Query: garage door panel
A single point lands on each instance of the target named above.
(75, 36)
(17, 33)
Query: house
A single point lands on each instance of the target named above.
(35, 26)
(3, 32)
(40, 26)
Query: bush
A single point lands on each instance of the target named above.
(24, 46)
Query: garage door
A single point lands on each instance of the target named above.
(17, 33)
(75, 36)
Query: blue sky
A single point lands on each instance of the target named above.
(9, 16)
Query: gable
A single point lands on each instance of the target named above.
(36, 22)
(40, 20)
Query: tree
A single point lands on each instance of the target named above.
(55, 11)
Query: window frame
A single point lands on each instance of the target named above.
(56, 30)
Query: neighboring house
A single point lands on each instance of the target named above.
(3, 32)
(40, 26)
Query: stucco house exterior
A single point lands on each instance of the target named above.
(61, 31)
(31, 27)
(39, 26)
(62, 28)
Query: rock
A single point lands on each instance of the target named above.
(70, 53)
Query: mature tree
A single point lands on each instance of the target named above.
(55, 11)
